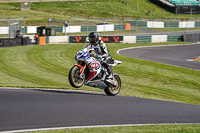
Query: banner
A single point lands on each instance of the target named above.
(106, 39)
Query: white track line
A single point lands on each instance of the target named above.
(154, 46)
(95, 126)
(10, 88)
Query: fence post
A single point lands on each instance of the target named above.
(121, 27)
(168, 27)
(152, 21)
(65, 23)
(49, 22)
(150, 12)
(9, 28)
(137, 27)
(104, 27)
(186, 26)
(87, 25)
(69, 26)
(24, 24)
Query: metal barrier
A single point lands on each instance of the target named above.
(114, 27)
(9, 26)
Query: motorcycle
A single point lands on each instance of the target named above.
(89, 71)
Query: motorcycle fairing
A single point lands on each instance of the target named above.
(97, 84)
(112, 81)
(82, 54)
(94, 70)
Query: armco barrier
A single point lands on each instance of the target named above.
(58, 39)
(143, 39)
(77, 39)
(119, 27)
(129, 39)
(156, 24)
(4, 30)
(106, 39)
(111, 39)
(118, 39)
(158, 38)
(109, 27)
(88, 28)
(174, 38)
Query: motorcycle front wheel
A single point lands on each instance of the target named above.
(74, 77)
(112, 90)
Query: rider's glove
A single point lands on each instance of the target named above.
(96, 55)
(99, 56)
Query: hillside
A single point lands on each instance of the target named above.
(42, 11)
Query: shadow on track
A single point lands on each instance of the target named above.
(71, 92)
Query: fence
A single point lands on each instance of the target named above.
(9, 26)
(83, 26)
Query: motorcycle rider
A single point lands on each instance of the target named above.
(101, 51)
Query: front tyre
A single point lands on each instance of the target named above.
(112, 90)
(74, 77)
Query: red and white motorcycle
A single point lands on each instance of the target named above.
(90, 72)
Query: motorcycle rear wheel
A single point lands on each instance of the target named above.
(111, 90)
(74, 77)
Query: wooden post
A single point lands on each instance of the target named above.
(175, 10)
(137, 6)
(150, 12)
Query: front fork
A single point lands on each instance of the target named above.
(82, 68)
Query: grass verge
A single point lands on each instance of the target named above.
(42, 11)
(169, 128)
(48, 67)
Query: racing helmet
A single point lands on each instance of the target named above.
(93, 37)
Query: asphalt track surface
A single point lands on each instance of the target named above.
(176, 55)
(35, 109)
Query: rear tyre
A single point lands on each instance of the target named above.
(111, 90)
(74, 77)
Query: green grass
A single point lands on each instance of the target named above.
(171, 128)
(42, 11)
(48, 67)
(197, 60)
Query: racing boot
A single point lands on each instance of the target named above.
(110, 74)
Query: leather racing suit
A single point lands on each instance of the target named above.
(102, 52)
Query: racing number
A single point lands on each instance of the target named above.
(94, 66)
